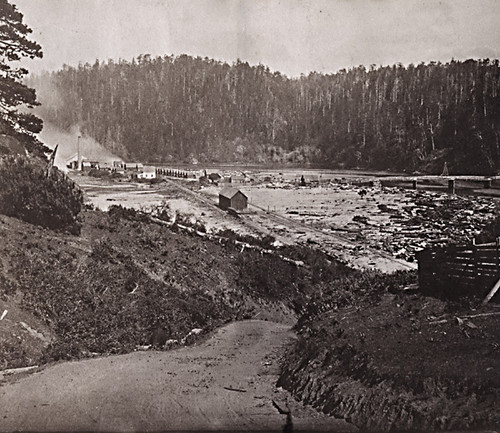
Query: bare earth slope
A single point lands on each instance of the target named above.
(182, 389)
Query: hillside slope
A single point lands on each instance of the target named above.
(367, 351)
(398, 362)
(171, 109)
(119, 283)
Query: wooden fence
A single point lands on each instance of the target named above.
(455, 271)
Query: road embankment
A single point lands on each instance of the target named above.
(225, 383)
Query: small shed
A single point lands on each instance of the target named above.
(232, 198)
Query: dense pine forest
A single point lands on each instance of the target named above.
(168, 109)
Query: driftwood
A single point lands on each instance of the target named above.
(438, 322)
(220, 239)
(280, 409)
(461, 319)
(492, 293)
(10, 371)
(481, 315)
(230, 388)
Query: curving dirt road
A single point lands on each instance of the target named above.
(184, 389)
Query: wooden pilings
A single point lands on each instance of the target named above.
(451, 186)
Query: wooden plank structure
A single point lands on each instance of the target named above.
(453, 271)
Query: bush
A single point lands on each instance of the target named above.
(271, 278)
(95, 172)
(266, 241)
(118, 212)
(27, 193)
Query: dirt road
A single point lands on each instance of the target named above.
(184, 389)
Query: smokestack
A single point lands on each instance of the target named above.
(79, 156)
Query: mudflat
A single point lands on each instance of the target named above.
(225, 383)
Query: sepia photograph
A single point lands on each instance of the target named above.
(250, 216)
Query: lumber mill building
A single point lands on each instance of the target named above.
(232, 198)
(148, 172)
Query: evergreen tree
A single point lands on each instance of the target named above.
(183, 108)
(14, 45)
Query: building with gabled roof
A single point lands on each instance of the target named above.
(148, 172)
(232, 198)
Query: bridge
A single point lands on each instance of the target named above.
(451, 179)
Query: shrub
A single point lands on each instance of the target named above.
(270, 278)
(118, 212)
(27, 193)
(263, 242)
(95, 172)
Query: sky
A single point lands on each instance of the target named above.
(290, 36)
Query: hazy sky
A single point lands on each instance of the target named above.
(292, 36)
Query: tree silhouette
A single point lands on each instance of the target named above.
(167, 109)
(14, 44)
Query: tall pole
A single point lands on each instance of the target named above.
(79, 162)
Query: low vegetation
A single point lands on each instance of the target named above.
(263, 242)
(124, 277)
(111, 288)
(391, 359)
(31, 194)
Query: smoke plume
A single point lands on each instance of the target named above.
(68, 145)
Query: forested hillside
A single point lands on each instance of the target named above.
(183, 108)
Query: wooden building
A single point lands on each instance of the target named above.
(148, 172)
(238, 179)
(232, 198)
(89, 165)
(454, 271)
(74, 163)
